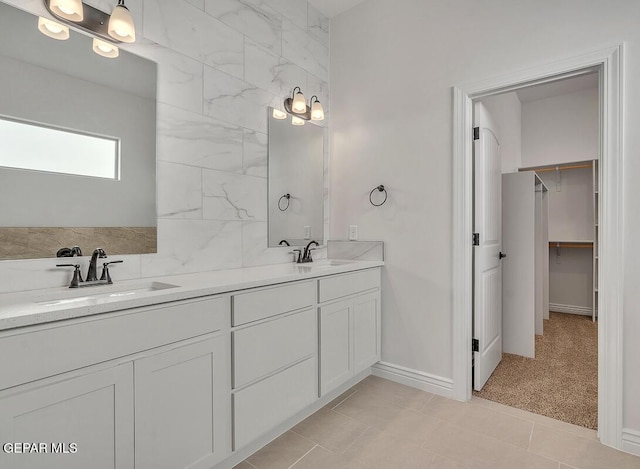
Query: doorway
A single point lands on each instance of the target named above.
(608, 61)
(548, 361)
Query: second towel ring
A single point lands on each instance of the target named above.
(380, 188)
(288, 199)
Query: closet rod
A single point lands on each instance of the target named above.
(561, 168)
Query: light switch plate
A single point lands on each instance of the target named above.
(353, 232)
(307, 232)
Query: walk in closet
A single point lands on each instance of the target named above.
(573, 235)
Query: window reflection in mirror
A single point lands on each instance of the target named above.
(37, 147)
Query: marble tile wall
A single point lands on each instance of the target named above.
(220, 64)
(356, 250)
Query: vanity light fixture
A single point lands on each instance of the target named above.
(278, 114)
(105, 49)
(52, 29)
(297, 106)
(296, 120)
(121, 26)
(317, 112)
(106, 29)
(71, 10)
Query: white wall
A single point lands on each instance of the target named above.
(392, 68)
(570, 207)
(506, 111)
(560, 129)
(220, 64)
(571, 278)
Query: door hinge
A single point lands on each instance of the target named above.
(475, 345)
(476, 133)
(476, 239)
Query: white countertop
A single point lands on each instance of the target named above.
(57, 304)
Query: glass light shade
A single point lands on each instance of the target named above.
(121, 25)
(317, 112)
(278, 114)
(53, 29)
(68, 9)
(299, 104)
(105, 49)
(296, 120)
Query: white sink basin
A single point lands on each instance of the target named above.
(83, 294)
(323, 264)
(331, 262)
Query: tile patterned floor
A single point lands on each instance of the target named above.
(379, 424)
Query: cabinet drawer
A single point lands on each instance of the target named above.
(343, 285)
(69, 345)
(261, 304)
(261, 349)
(259, 408)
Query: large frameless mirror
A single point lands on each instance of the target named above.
(77, 144)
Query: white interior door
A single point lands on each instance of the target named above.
(520, 283)
(487, 262)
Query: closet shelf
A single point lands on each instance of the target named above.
(571, 244)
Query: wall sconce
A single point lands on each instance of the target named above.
(105, 49)
(121, 27)
(278, 114)
(52, 29)
(117, 27)
(297, 106)
(68, 9)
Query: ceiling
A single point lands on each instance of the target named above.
(331, 8)
(557, 88)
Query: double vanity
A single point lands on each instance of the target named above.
(190, 371)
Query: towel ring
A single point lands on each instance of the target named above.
(288, 198)
(380, 188)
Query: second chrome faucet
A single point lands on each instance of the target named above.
(92, 272)
(304, 256)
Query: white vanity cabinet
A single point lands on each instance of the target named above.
(349, 326)
(275, 349)
(146, 376)
(185, 384)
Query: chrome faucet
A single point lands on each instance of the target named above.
(306, 255)
(92, 273)
(92, 277)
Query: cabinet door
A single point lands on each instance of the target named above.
(94, 411)
(366, 331)
(335, 345)
(183, 408)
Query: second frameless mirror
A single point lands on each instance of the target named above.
(296, 182)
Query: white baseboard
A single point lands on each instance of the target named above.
(570, 309)
(416, 379)
(631, 441)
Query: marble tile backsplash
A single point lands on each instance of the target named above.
(220, 64)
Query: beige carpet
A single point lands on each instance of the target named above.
(561, 382)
